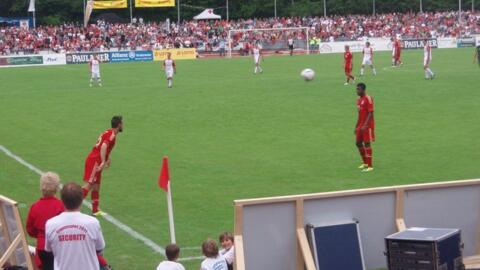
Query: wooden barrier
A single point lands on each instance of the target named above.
(12, 236)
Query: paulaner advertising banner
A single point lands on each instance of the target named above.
(418, 43)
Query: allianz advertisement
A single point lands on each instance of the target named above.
(131, 56)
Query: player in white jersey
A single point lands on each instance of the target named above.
(427, 59)
(95, 71)
(257, 57)
(367, 59)
(170, 69)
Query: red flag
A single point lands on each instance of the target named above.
(164, 175)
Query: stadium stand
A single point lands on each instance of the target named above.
(206, 36)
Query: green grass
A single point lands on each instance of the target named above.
(231, 135)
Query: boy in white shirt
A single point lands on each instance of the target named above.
(213, 260)
(228, 252)
(173, 252)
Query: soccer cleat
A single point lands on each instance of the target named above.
(99, 214)
(369, 169)
(345, 83)
(363, 166)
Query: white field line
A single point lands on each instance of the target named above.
(134, 234)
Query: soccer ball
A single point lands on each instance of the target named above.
(308, 74)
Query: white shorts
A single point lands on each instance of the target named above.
(257, 59)
(96, 75)
(367, 61)
(426, 62)
(169, 73)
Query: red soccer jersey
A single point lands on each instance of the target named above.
(397, 47)
(40, 212)
(365, 106)
(108, 137)
(348, 59)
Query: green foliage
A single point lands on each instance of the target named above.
(58, 11)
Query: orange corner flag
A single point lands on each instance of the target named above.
(164, 175)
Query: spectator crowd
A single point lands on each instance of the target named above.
(209, 35)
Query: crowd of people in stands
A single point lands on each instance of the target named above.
(209, 35)
(69, 239)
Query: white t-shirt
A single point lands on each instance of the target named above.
(74, 238)
(228, 255)
(169, 265)
(95, 66)
(217, 263)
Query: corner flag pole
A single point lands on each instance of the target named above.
(164, 183)
(170, 215)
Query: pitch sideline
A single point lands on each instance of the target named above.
(134, 234)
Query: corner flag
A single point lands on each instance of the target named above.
(164, 175)
(164, 183)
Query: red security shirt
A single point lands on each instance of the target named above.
(108, 137)
(41, 211)
(365, 106)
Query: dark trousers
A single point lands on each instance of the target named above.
(47, 259)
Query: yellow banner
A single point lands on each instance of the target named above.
(154, 3)
(108, 4)
(160, 55)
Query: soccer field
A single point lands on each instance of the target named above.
(230, 134)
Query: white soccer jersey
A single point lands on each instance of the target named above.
(368, 53)
(74, 238)
(169, 70)
(169, 64)
(94, 66)
(290, 42)
(217, 263)
(169, 265)
(256, 55)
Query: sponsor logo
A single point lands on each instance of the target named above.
(131, 56)
(325, 48)
(185, 53)
(465, 42)
(23, 60)
(80, 58)
(418, 43)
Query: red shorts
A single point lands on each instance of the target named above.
(348, 70)
(367, 136)
(397, 57)
(91, 175)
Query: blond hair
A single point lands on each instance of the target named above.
(49, 183)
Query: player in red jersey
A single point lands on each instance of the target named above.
(396, 52)
(348, 64)
(364, 129)
(99, 159)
